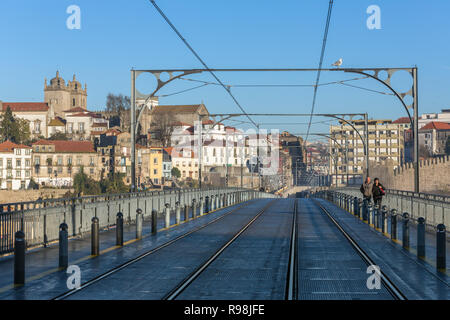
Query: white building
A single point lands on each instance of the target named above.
(15, 166)
(80, 123)
(426, 118)
(36, 113)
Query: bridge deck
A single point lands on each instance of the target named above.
(254, 266)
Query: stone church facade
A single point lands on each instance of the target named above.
(61, 97)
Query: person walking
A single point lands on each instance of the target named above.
(378, 192)
(366, 189)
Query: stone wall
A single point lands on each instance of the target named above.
(434, 175)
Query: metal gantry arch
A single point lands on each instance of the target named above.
(178, 73)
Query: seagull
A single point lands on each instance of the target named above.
(337, 63)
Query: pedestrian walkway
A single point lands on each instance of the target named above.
(44, 280)
(410, 274)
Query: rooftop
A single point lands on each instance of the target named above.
(435, 125)
(25, 106)
(68, 146)
(9, 146)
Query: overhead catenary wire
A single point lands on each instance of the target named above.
(322, 54)
(201, 60)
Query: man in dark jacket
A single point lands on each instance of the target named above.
(366, 189)
(378, 192)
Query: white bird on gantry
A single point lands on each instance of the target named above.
(337, 63)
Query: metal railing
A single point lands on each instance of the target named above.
(433, 207)
(40, 220)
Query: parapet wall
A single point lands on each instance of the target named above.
(434, 175)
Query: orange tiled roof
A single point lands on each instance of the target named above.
(435, 125)
(68, 146)
(77, 109)
(9, 146)
(402, 120)
(25, 106)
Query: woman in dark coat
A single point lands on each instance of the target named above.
(378, 192)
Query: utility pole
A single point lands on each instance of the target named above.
(200, 151)
(346, 157)
(226, 162)
(133, 130)
(367, 152)
(242, 165)
(257, 158)
(416, 131)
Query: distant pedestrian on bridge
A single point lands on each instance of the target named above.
(366, 189)
(377, 192)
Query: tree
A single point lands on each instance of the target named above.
(85, 185)
(14, 129)
(59, 136)
(162, 128)
(175, 172)
(23, 133)
(424, 152)
(8, 126)
(114, 184)
(118, 106)
(447, 146)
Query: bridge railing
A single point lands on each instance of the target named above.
(433, 207)
(40, 220)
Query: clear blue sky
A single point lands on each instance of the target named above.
(118, 35)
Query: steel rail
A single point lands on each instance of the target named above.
(388, 284)
(188, 280)
(145, 254)
(291, 281)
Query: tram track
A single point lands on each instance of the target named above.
(393, 290)
(143, 255)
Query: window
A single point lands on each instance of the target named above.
(18, 151)
(155, 160)
(37, 126)
(60, 170)
(18, 174)
(91, 161)
(69, 161)
(81, 127)
(155, 171)
(73, 100)
(9, 164)
(49, 170)
(60, 161)
(18, 163)
(27, 173)
(79, 161)
(91, 171)
(27, 152)
(1, 163)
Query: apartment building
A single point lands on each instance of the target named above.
(15, 166)
(347, 160)
(55, 163)
(433, 136)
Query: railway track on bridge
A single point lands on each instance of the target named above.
(144, 255)
(176, 291)
(390, 286)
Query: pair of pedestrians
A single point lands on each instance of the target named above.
(373, 189)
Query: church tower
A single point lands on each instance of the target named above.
(61, 97)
